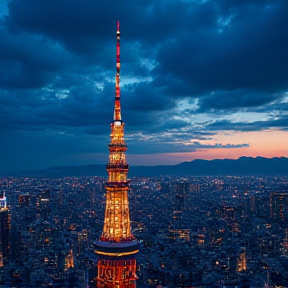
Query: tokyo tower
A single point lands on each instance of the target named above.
(117, 246)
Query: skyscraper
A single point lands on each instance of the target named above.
(117, 246)
(4, 229)
(180, 192)
(279, 206)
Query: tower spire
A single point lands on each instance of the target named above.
(117, 108)
(117, 245)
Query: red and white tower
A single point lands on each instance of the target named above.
(117, 246)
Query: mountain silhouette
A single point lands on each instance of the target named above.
(241, 166)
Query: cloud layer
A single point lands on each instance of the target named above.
(190, 69)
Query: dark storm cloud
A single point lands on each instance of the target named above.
(143, 147)
(58, 58)
(142, 97)
(173, 124)
(280, 122)
(250, 53)
(45, 110)
(28, 61)
(85, 28)
(277, 106)
(235, 99)
(198, 52)
(78, 24)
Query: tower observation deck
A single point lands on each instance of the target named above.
(117, 246)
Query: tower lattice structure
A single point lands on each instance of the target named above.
(117, 246)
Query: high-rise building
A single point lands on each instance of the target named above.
(3, 201)
(24, 200)
(4, 229)
(117, 246)
(177, 229)
(180, 193)
(279, 206)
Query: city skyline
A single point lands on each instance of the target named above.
(208, 83)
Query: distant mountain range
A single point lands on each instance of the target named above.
(241, 166)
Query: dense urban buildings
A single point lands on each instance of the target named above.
(232, 241)
(117, 246)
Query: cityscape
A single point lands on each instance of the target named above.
(218, 221)
(208, 231)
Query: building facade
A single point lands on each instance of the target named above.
(4, 230)
(279, 206)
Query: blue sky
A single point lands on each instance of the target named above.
(199, 79)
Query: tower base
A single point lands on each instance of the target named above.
(120, 273)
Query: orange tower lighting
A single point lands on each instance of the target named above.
(117, 246)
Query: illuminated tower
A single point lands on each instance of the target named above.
(117, 246)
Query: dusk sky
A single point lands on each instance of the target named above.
(199, 80)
